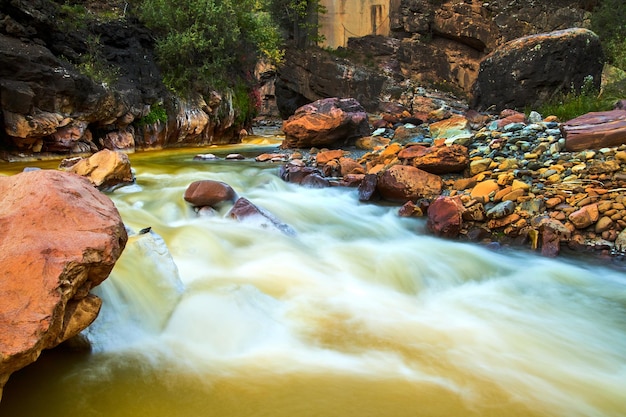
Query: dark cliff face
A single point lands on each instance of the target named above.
(75, 80)
(435, 43)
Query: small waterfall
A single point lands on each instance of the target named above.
(140, 295)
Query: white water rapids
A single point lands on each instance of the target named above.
(360, 313)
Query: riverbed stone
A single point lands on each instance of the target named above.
(445, 216)
(209, 193)
(402, 183)
(105, 169)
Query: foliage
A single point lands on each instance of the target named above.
(199, 41)
(608, 21)
(94, 65)
(576, 103)
(244, 104)
(298, 19)
(157, 114)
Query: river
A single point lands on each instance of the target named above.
(358, 313)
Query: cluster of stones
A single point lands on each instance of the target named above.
(495, 178)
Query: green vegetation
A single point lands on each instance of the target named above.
(157, 114)
(575, 103)
(608, 21)
(201, 42)
(93, 65)
(298, 19)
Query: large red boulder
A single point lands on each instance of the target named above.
(60, 238)
(329, 122)
(402, 183)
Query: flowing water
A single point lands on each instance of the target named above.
(359, 313)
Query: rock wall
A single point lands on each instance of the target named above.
(432, 42)
(71, 86)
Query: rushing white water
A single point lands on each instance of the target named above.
(360, 313)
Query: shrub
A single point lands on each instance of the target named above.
(576, 103)
(199, 42)
(608, 20)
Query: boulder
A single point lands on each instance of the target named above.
(445, 216)
(402, 183)
(105, 169)
(595, 130)
(326, 123)
(208, 193)
(60, 238)
(528, 71)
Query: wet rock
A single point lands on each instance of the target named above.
(246, 212)
(209, 193)
(403, 183)
(501, 210)
(328, 122)
(368, 188)
(315, 180)
(50, 259)
(445, 216)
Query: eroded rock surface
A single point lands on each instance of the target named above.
(60, 238)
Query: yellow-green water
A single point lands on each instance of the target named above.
(360, 313)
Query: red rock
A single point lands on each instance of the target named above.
(403, 183)
(443, 159)
(595, 130)
(325, 123)
(410, 209)
(350, 166)
(445, 216)
(245, 211)
(208, 193)
(511, 117)
(326, 156)
(585, 216)
(60, 238)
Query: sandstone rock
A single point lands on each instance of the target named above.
(410, 209)
(350, 166)
(620, 242)
(50, 258)
(246, 212)
(595, 130)
(585, 216)
(501, 210)
(405, 134)
(479, 165)
(403, 183)
(326, 123)
(105, 169)
(442, 159)
(445, 216)
(208, 193)
(323, 157)
(315, 180)
(483, 189)
(119, 140)
(454, 130)
(529, 70)
(370, 143)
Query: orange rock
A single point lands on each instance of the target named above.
(323, 157)
(60, 238)
(403, 183)
(482, 190)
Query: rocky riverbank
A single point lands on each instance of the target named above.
(507, 178)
